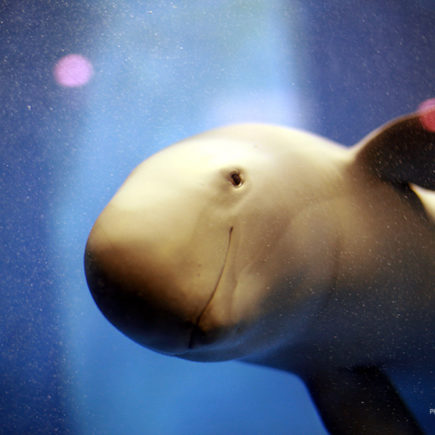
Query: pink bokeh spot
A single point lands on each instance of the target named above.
(426, 111)
(73, 71)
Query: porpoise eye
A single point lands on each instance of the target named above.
(236, 178)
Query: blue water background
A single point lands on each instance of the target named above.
(162, 71)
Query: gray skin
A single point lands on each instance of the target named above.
(280, 248)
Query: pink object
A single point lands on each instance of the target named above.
(73, 71)
(426, 111)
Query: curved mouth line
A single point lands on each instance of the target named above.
(198, 319)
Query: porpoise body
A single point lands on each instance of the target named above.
(278, 247)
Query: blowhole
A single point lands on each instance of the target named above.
(236, 178)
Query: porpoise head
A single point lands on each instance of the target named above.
(191, 257)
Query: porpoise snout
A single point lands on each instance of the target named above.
(152, 277)
(129, 295)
